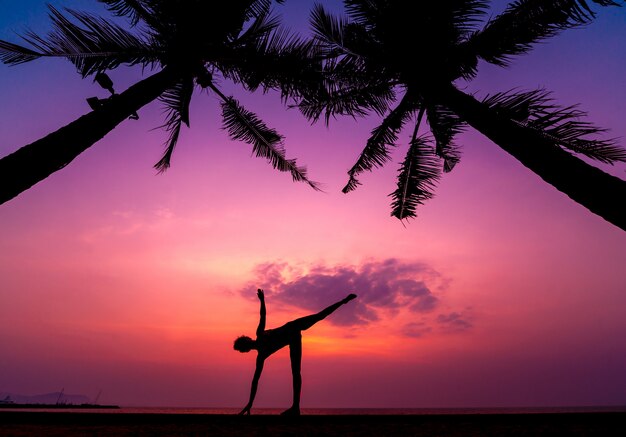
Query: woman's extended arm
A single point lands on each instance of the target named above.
(261, 327)
(255, 383)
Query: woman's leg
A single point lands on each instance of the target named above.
(295, 355)
(304, 323)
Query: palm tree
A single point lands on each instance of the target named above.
(192, 45)
(369, 69)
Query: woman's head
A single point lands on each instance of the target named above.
(243, 344)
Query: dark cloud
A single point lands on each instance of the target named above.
(416, 329)
(453, 322)
(382, 286)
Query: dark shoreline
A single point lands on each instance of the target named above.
(58, 407)
(22, 423)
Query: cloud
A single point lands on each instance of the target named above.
(416, 329)
(453, 322)
(384, 288)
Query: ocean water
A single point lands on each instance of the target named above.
(343, 411)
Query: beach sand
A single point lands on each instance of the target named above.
(94, 424)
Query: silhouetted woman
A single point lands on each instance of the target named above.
(269, 341)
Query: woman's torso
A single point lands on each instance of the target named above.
(271, 340)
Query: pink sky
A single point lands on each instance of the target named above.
(116, 278)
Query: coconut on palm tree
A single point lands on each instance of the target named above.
(369, 69)
(191, 44)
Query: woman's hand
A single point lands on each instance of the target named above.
(260, 293)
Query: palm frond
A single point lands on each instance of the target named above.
(262, 26)
(328, 30)
(365, 12)
(527, 22)
(176, 101)
(275, 60)
(348, 49)
(417, 178)
(96, 45)
(445, 125)
(349, 87)
(355, 101)
(13, 54)
(135, 10)
(338, 37)
(349, 70)
(563, 126)
(258, 8)
(243, 125)
(376, 151)
(466, 15)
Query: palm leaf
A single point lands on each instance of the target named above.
(339, 37)
(13, 54)
(365, 12)
(445, 125)
(349, 87)
(563, 126)
(265, 47)
(97, 45)
(134, 9)
(262, 26)
(350, 71)
(466, 15)
(176, 100)
(353, 86)
(274, 59)
(258, 8)
(243, 125)
(329, 31)
(527, 22)
(417, 178)
(376, 151)
(353, 101)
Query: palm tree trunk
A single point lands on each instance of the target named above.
(600, 192)
(36, 161)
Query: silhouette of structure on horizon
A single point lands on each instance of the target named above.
(269, 341)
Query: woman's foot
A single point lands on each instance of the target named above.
(293, 411)
(349, 298)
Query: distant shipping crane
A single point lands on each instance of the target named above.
(60, 396)
(95, 402)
